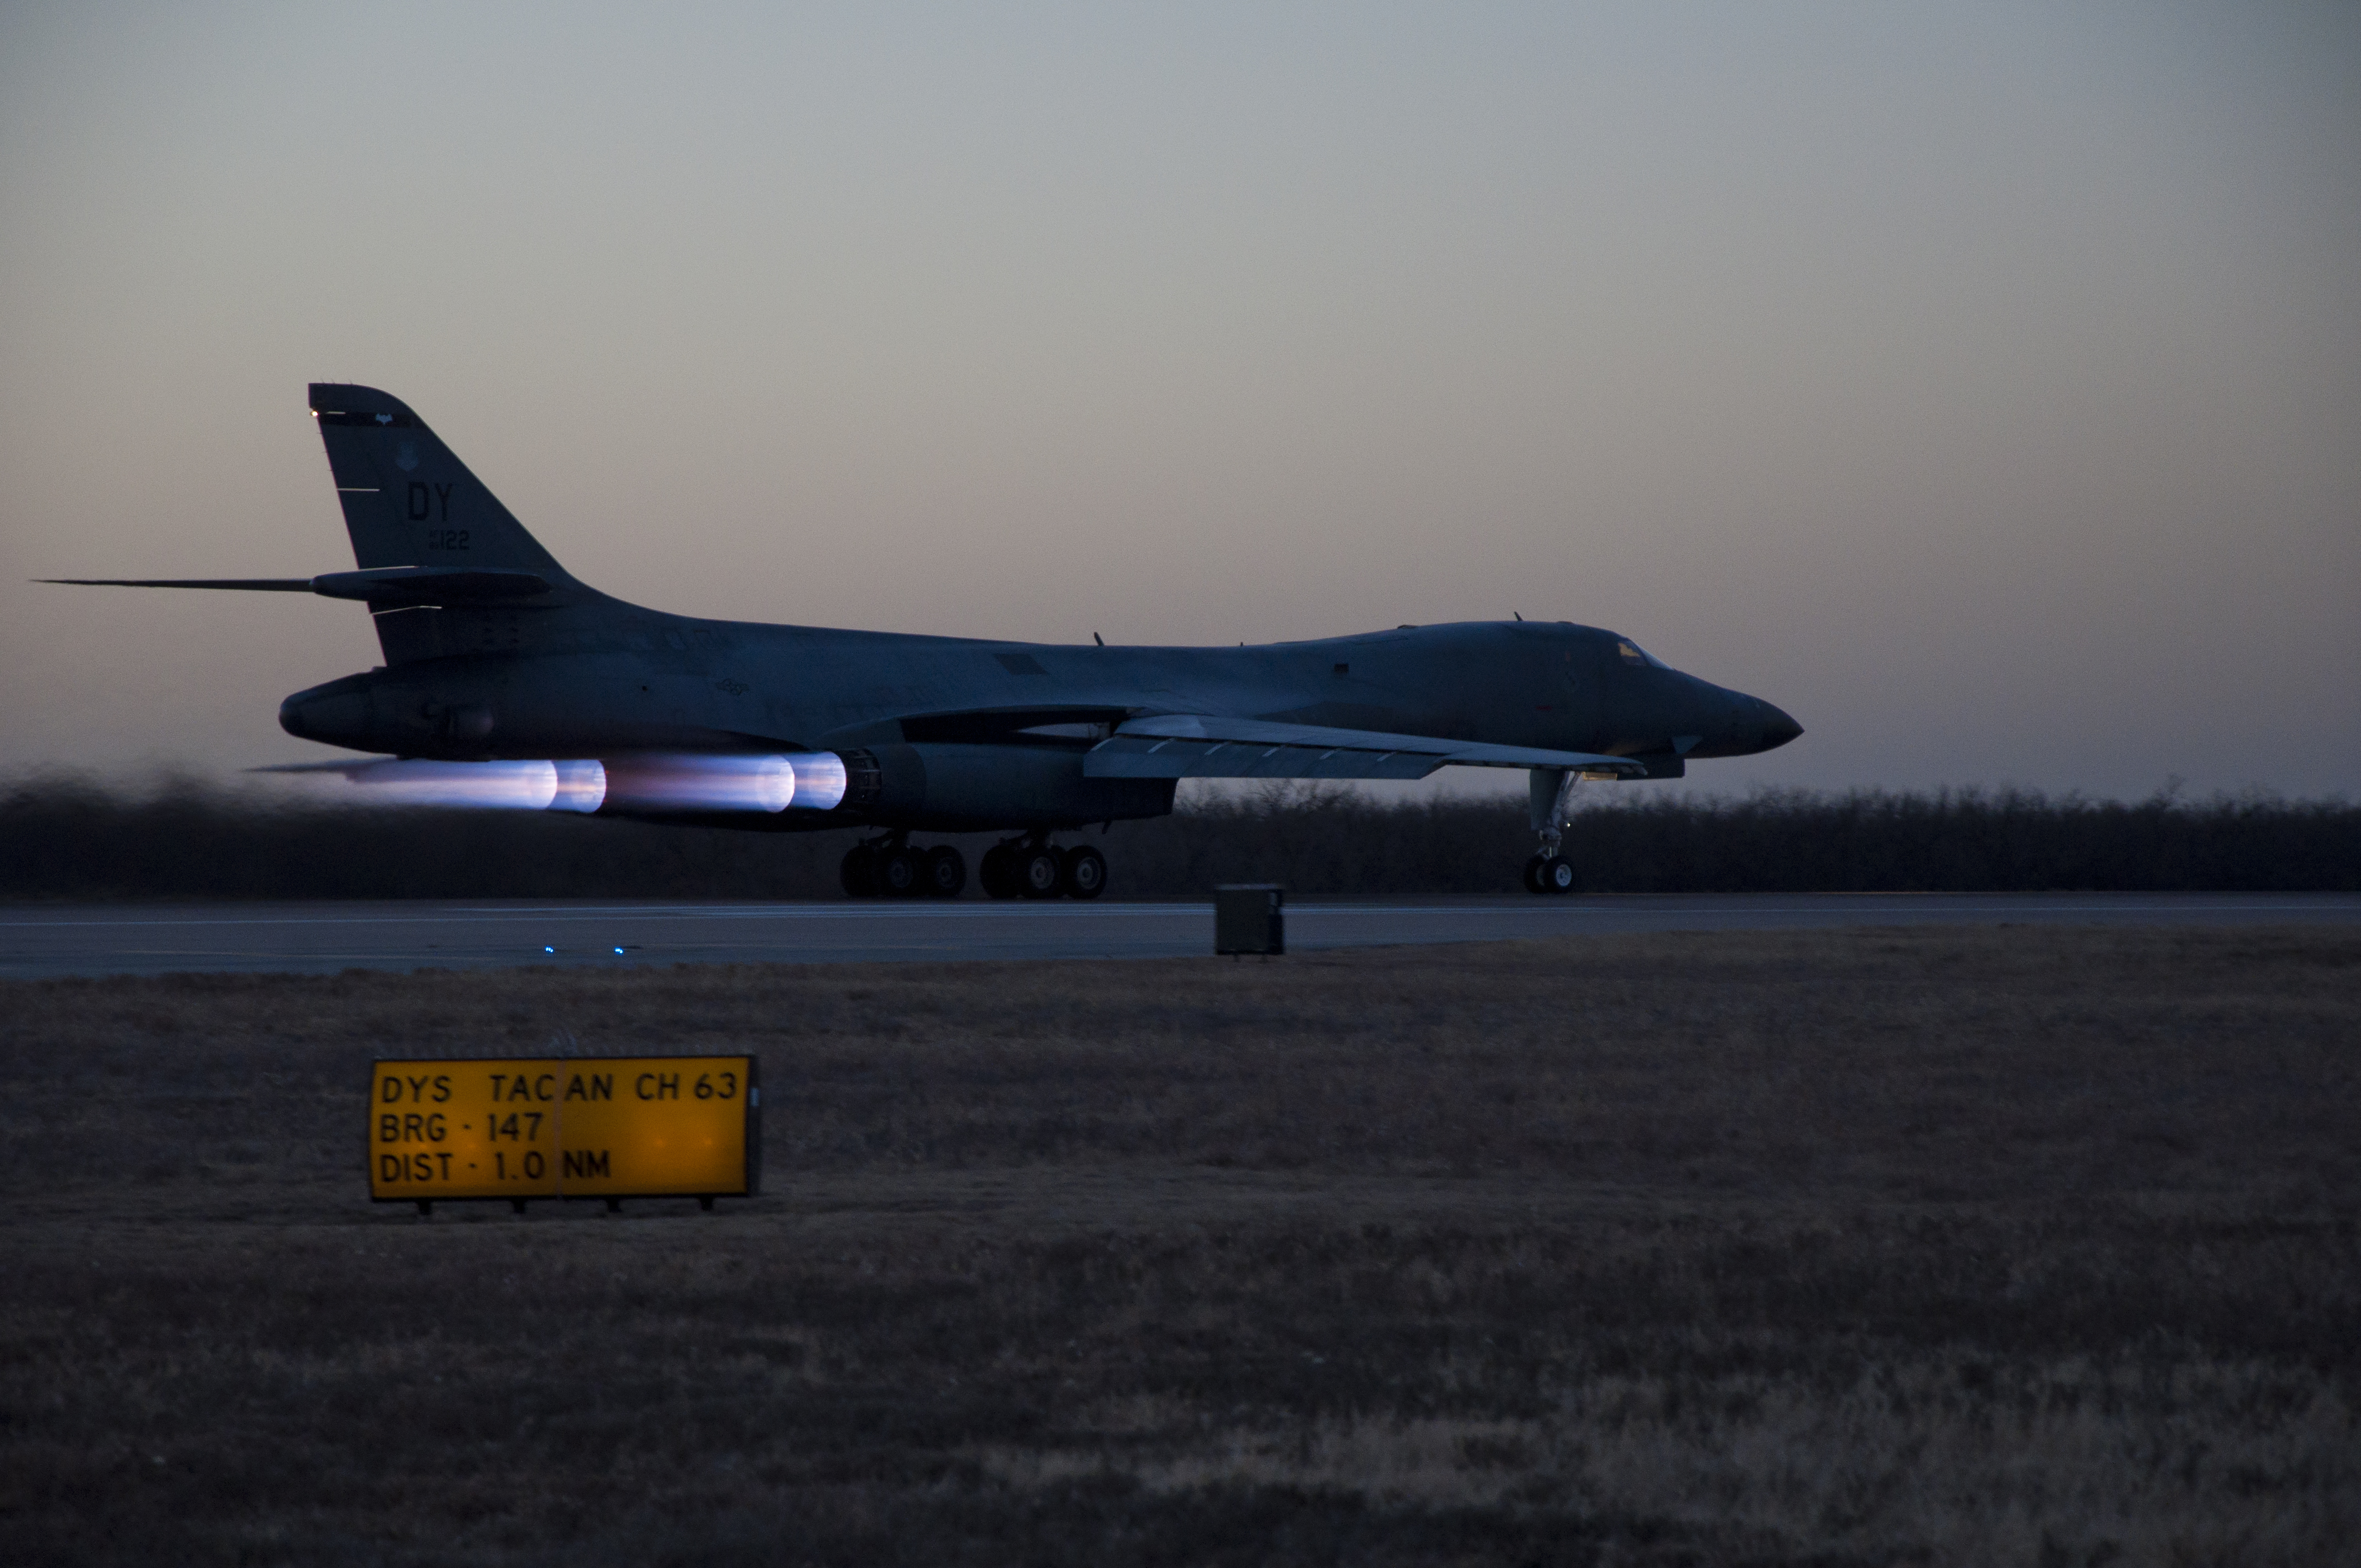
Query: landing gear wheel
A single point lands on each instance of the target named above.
(998, 873)
(900, 875)
(1533, 873)
(1039, 871)
(859, 871)
(946, 873)
(1558, 875)
(1084, 874)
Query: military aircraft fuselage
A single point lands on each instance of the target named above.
(649, 681)
(496, 656)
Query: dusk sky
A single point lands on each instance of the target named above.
(1979, 383)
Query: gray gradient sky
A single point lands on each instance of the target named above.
(1981, 383)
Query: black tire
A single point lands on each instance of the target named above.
(859, 872)
(899, 874)
(1084, 872)
(997, 873)
(946, 871)
(1533, 875)
(1558, 875)
(1040, 873)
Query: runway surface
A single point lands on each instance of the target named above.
(49, 940)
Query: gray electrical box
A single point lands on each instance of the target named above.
(1250, 918)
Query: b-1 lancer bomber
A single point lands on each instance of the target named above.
(506, 678)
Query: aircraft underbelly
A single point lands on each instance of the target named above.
(1140, 757)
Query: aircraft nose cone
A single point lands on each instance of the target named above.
(1778, 729)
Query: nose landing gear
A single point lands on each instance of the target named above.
(1549, 872)
(1032, 867)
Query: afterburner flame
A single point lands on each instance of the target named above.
(695, 782)
(581, 786)
(511, 786)
(819, 781)
(648, 781)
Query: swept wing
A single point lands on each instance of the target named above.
(1208, 746)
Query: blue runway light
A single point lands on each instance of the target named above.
(619, 949)
(549, 949)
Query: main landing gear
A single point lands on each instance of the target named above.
(1032, 867)
(1024, 867)
(892, 868)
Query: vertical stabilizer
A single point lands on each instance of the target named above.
(408, 500)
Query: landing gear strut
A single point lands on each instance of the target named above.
(891, 867)
(1032, 867)
(1549, 872)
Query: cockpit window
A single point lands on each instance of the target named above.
(1634, 654)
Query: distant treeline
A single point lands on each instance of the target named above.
(73, 839)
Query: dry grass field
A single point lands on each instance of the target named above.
(1942, 1246)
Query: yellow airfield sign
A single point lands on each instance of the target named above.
(546, 1127)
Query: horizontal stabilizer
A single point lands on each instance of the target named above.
(1197, 746)
(429, 585)
(384, 586)
(248, 584)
